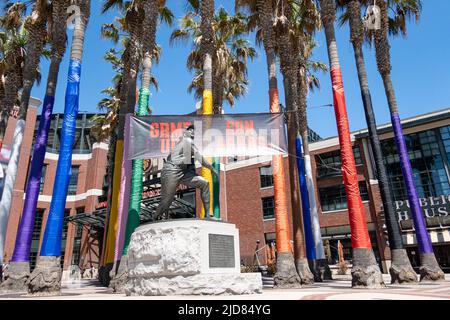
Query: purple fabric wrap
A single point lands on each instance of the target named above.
(25, 232)
(124, 199)
(422, 236)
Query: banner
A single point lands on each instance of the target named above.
(214, 136)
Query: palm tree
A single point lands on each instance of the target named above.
(307, 81)
(286, 275)
(12, 42)
(287, 48)
(141, 21)
(207, 46)
(229, 65)
(132, 24)
(151, 10)
(429, 267)
(46, 277)
(19, 268)
(365, 271)
(401, 270)
(231, 54)
(35, 24)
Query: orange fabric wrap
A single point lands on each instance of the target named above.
(281, 213)
(358, 224)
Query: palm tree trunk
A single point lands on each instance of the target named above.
(13, 82)
(365, 272)
(289, 71)
(134, 19)
(149, 31)
(46, 278)
(401, 270)
(36, 39)
(429, 268)
(19, 268)
(307, 187)
(286, 275)
(208, 51)
(299, 215)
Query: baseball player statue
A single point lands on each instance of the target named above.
(179, 168)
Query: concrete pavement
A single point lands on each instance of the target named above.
(337, 289)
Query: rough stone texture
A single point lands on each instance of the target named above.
(16, 277)
(429, 268)
(199, 284)
(366, 272)
(401, 270)
(286, 275)
(46, 277)
(163, 252)
(324, 269)
(304, 271)
(119, 280)
(171, 258)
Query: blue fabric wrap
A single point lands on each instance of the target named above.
(309, 238)
(51, 244)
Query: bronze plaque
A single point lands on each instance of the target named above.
(221, 251)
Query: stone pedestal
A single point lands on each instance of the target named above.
(187, 257)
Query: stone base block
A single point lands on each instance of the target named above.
(365, 272)
(429, 268)
(199, 284)
(187, 257)
(16, 277)
(45, 280)
(401, 270)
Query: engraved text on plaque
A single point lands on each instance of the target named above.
(221, 251)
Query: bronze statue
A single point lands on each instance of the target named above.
(179, 168)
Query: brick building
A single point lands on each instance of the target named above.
(247, 192)
(249, 195)
(80, 245)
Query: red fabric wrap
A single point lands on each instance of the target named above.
(358, 225)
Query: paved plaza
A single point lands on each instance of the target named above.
(338, 289)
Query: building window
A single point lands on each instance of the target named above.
(427, 161)
(266, 176)
(334, 198)
(65, 224)
(268, 205)
(357, 155)
(41, 187)
(445, 136)
(38, 224)
(73, 181)
(329, 164)
(36, 237)
(33, 258)
(77, 240)
(64, 236)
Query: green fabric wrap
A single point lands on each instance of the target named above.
(136, 179)
(216, 189)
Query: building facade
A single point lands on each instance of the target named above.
(247, 194)
(80, 246)
(428, 141)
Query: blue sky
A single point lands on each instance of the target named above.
(420, 72)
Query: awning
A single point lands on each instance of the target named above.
(95, 219)
(437, 237)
